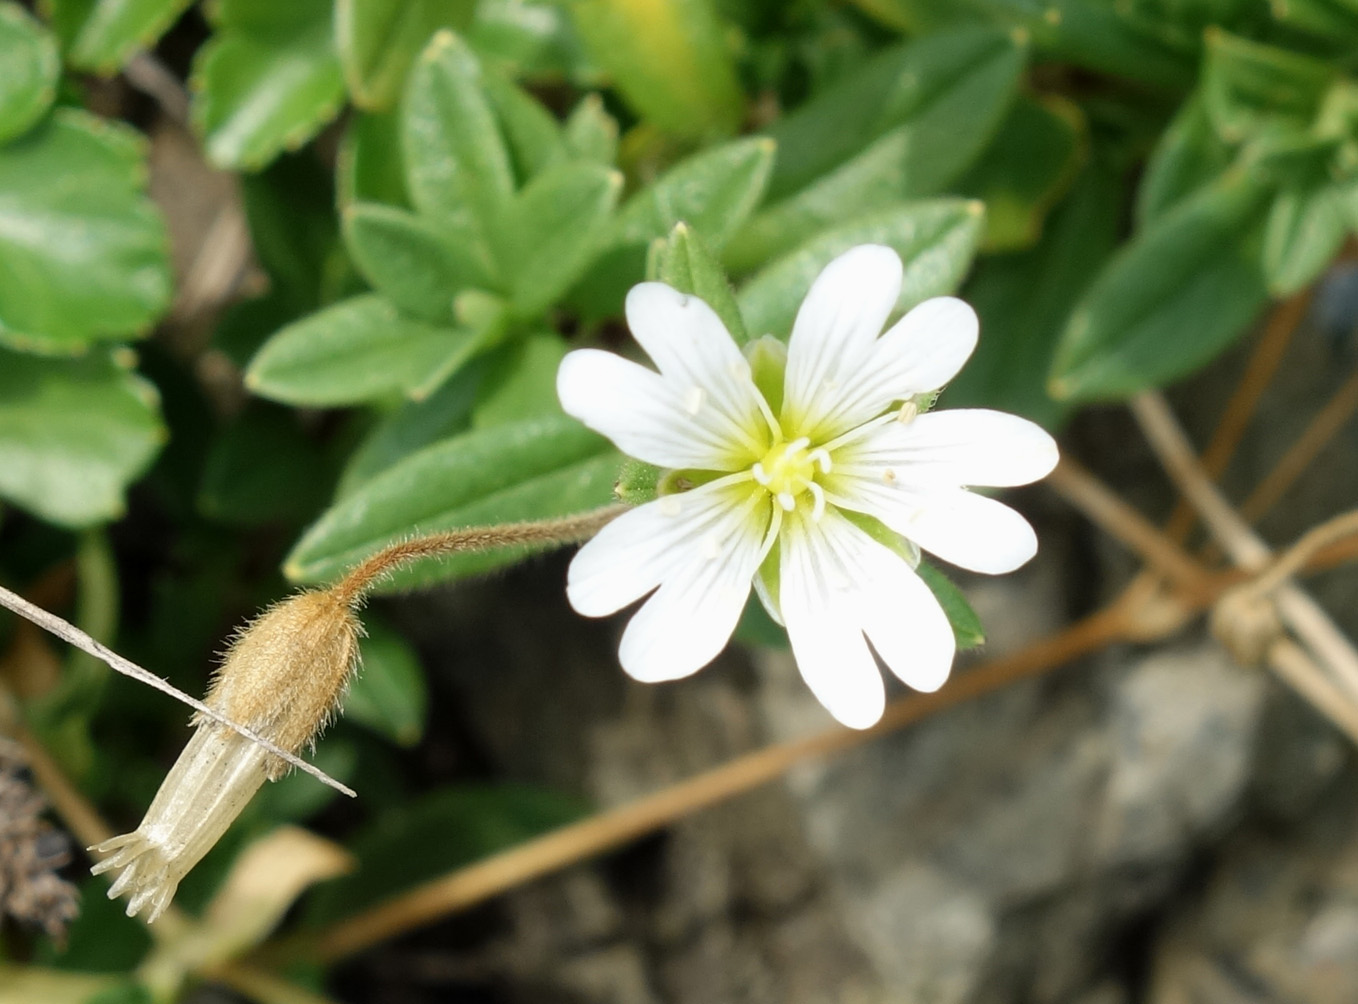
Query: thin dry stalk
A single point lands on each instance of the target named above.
(1268, 355)
(1323, 427)
(1078, 486)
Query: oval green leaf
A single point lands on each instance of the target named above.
(357, 350)
(535, 469)
(115, 29)
(713, 191)
(73, 435)
(935, 238)
(29, 67)
(379, 39)
(267, 81)
(1169, 301)
(417, 266)
(83, 251)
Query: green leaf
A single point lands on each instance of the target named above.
(530, 40)
(685, 263)
(1024, 299)
(378, 40)
(354, 351)
(370, 167)
(1169, 301)
(966, 626)
(1189, 155)
(935, 238)
(1335, 21)
(712, 191)
(267, 81)
(457, 167)
(263, 469)
(1249, 88)
(115, 29)
(951, 89)
(420, 840)
(520, 380)
(536, 469)
(1306, 227)
(1095, 34)
(669, 60)
(29, 68)
(83, 251)
(559, 223)
(388, 695)
(73, 435)
(127, 992)
(416, 265)
(412, 426)
(291, 211)
(591, 133)
(532, 134)
(1029, 165)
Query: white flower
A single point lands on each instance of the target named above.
(814, 483)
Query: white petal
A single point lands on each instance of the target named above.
(959, 447)
(905, 622)
(699, 360)
(961, 527)
(827, 640)
(882, 594)
(835, 330)
(691, 617)
(921, 352)
(642, 548)
(644, 415)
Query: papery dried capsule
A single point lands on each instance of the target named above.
(283, 677)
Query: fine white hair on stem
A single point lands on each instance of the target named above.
(71, 634)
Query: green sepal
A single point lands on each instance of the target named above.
(684, 262)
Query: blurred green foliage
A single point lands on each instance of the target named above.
(446, 195)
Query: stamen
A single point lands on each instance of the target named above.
(860, 431)
(694, 399)
(774, 427)
(909, 411)
(889, 476)
(818, 503)
(775, 524)
(670, 505)
(711, 547)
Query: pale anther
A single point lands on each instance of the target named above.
(693, 400)
(909, 411)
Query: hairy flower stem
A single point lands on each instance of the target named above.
(354, 587)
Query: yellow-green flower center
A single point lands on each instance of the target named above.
(789, 470)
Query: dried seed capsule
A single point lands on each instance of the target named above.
(283, 677)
